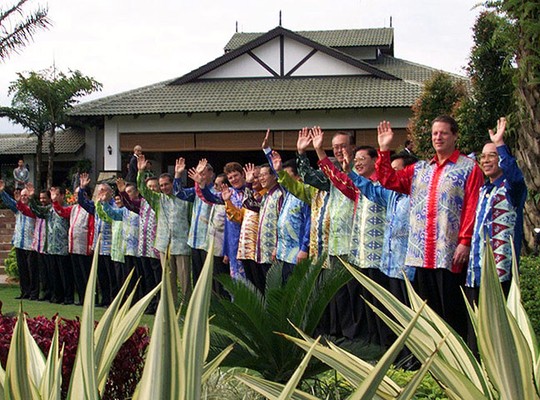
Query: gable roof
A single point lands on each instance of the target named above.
(383, 37)
(280, 31)
(66, 142)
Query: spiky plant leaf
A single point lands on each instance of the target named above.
(271, 390)
(51, 381)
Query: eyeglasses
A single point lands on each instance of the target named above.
(340, 146)
(358, 159)
(488, 156)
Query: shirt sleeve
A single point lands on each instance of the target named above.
(40, 211)
(375, 193)
(234, 213)
(339, 179)
(9, 201)
(304, 244)
(297, 188)
(513, 175)
(470, 201)
(131, 205)
(398, 181)
(310, 176)
(64, 212)
(85, 203)
(214, 198)
(116, 214)
(25, 209)
(186, 194)
(151, 197)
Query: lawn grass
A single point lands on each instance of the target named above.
(10, 305)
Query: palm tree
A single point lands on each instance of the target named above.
(16, 34)
(252, 320)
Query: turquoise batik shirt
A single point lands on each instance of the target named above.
(340, 208)
(268, 221)
(172, 216)
(24, 225)
(200, 217)
(130, 227)
(57, 228)
(101, 227)
(396, 231)
(118, 244)
(293, 229)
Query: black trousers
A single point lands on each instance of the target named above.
(152, 272)
(198, 257)
(81, 272)
(442, 290)
(256, 273)
(63, 279)
(23, 265)
(220, 268)
(45, 275)
(107, 279)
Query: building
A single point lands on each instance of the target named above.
(282, 80)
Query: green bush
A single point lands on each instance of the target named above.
(11, 264)
(530, 289)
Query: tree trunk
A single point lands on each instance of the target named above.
(528, 142)
(50, 167)
(39, 159)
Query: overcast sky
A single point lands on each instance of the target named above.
(125, 44)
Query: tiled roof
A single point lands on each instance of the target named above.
(336, 38)
(245, 95)
(67, 142)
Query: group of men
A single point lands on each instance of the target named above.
(388, 215)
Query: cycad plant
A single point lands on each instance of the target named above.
(508, 366)
(252, 319)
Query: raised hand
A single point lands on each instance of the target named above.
(180, 167)
(121, 185)
(385, 135)
(249, 170)
(498, 137)
(303, 141)
(346, 163)
(264, 144)
(30, 189)
(2, 185)
(84, 180)
(276, 160)
(225, 192)
(317, 137)
(141, 163)
(195, 176)
(201, 166)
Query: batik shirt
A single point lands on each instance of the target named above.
(340, 207)
(396, 230)
(293, 229)
(81, 228)
(320, 217)
(216, 223)
(101, 227)
(24, 225)
(172, 216)
(268, 221)
(39, 241)
(130, 227)
(118, 242)
(443, 201)
(367, 237)
(198, 230)
(57, 228)
(147, 225)
(232, 229)
(499, 217)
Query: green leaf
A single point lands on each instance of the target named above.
(51, 382)
(271, 390)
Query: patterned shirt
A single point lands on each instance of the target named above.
(268, 222)
(81, 228)
(443, 200)
(499, 216)
(101, 227)
(130, 227)
(293, 229)
(57, 228)
(24, 224)
(172, 216)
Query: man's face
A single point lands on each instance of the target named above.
(442, 138)
(398, 164)
(118, 201)
(236, 179)
(218, 183)
(132, 192)
(153, 185)
(207, 175)
(256, 185)
(364, 164)
(341, 146)
(20, 163)
(290, 171)
(489, 161)
(267, 178)
(165, 185)
(137, 150)
(24, 196)
(44, 199)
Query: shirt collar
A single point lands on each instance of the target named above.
(453, 158)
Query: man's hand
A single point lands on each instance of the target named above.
(264, 144)
(249, 170)
(141, 163)
(2, 185)
(194, 176)
(30, 189)
(180, 167)
(225, 193)
(201, 166)
(461, 255)
(317, 137)
(346, 163)
(385, 135)
(276, 160)
(121, 185)
(84, 180)
(302, 255)
(498, 137)
(303, 140)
